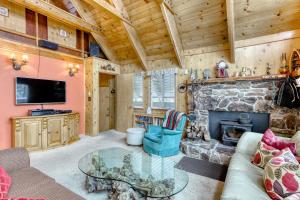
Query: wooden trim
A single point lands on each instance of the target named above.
(287, 35)
(8, 45)
(209, 49)
(174, 34)
(231, 28)
(22, 38)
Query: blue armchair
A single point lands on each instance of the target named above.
(163, 142)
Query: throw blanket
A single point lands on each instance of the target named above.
(172, 119)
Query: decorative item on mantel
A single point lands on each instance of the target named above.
(222, 67)
(108, 67)
(206, 74)
(284, 69)
(295, 63)
(268, 69)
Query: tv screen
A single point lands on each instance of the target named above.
(39, 91)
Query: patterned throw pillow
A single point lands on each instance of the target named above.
(263, 154)
(5, 182)
(282, 176)
(270, 139)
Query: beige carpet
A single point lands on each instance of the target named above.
(61, 164)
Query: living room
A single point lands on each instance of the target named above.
(149, 99)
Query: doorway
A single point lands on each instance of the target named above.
(107, 102)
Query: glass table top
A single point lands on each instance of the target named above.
(150, 175)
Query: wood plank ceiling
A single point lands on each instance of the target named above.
(200, 23)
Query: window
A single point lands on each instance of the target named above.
(138, 91)
(163, 90)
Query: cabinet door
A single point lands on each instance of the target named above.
(32, 134)
(73, 127)
(55, 130)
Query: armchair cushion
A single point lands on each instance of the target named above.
(154, 129)
(171, 132)
(154, 138)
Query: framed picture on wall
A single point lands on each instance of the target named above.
(4, 11)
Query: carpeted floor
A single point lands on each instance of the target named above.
(61, 164)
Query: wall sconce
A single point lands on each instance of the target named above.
(73, 69)
(17, 66)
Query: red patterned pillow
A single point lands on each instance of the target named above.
(5, 182)
(263, 154)
(270, 139)
(281, 177)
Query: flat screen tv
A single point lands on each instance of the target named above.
(39, 91)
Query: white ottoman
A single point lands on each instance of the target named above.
(135, 136)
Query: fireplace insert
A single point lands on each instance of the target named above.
(232, 131)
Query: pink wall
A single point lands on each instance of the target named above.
(49, 69)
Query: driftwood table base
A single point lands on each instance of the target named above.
(116, 190)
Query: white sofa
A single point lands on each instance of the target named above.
(244, 181)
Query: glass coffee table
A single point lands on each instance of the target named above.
(124, 172)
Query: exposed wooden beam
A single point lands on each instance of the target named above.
(100, 38)
(168, 3)
(58, 14)
(231, 28)
(133, 36)
(174, 34)
(108, 7)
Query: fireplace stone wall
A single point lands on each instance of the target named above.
(243, 96)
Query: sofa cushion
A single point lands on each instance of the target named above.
(281, 176)
(270, 139)
(296, 140)
(295, 196)
(263, 154)
(243, 186)
(50, 191)
(5, 182)
(26, 180)
(14, 159)
(242, 162)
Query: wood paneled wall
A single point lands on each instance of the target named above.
(26, 26)
(253, 56)
(16, 19)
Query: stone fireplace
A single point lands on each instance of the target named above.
(207, 100)
(255, 97)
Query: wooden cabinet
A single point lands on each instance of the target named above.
(43, 132)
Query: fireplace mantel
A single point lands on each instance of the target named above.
(235, 79)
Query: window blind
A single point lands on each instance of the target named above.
(163, 90)
(138, 91)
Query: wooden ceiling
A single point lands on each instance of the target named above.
(198, 24)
